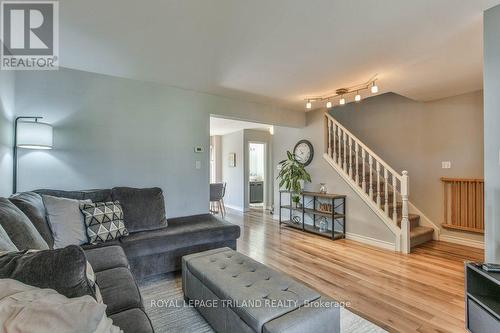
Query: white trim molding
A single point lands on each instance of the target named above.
(371, 241)
(238, 208)
(462, 241)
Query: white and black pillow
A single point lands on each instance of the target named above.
(104, 221)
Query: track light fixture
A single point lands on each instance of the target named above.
(342, 93)
(357, 98)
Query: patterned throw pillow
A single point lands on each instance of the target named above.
(104, 221)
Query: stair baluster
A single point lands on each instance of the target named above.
(386, 190)
(378, 184)
(345, 151)
(334, 138)
(350, 157)
(329, 138)
(394, 200)
(357, 162)
(370, 170)
(363, 157)
(405, 223)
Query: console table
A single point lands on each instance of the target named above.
(319, 213)
(482, 299)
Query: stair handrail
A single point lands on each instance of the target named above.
(368, 150)
(404, 240)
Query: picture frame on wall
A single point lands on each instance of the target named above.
(232, 160)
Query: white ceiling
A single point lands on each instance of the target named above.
(280, 51)
(220, 126)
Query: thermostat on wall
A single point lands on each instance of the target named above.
(199, 149)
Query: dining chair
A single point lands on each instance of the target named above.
(217, 192)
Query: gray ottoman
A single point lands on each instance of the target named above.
(237, 294)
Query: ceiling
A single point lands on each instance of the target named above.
(220, 126)
(278, 52)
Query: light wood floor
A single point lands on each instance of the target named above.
(422, 292)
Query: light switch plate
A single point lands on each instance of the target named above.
(198, 164)
(199, 149)
(446, 165)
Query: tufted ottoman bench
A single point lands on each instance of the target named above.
(237, 294)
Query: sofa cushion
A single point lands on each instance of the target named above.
(31, 204)
(19, 228)
(63, 270)
(103, 221)
(132, 321)
(93, 195)
(108, 257)
(143, 209)
(119, 290)
(65, 220)
(6, 244)
(181, 232)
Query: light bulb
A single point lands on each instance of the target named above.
(357, 98)
(271, 130)
(308, 105)
(342, 101)
(374, 88)
(328, 104)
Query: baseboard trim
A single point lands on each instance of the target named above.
(462, 241)
(238, 208)
(371, 241)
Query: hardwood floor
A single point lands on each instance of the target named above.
(420, 292)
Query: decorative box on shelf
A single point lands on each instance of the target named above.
(319, 213)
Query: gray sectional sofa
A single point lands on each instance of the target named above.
(154, 246)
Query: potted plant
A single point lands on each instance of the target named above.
(291, 174)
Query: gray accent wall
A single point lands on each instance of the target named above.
(492, 133)
(417, 137)
(361, 220)
(111, 131)
(7, 103)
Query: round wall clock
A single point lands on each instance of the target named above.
(304, 152)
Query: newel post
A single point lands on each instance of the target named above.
(405, 223)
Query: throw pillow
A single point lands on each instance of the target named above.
(31, 204)
(27, 308)
(144, 209)
(93, 283)
(64, 270)
(19, 228)
(6, 244)
(66, 221)
(104, 221)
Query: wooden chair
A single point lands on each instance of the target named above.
(217, 192)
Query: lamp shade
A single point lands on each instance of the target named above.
(34, 135)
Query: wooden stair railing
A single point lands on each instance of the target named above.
(463, 204)
(381, 185)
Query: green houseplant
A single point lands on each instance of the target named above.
(292, 172)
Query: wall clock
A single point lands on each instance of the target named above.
(304, 152)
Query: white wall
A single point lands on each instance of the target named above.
(7, 103)
(233, 176)
(491, 134)
(361, 220)
(110, 131)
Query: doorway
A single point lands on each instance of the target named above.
(257, 174)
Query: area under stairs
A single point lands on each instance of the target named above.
(380, 186)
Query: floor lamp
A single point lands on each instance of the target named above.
(29, 133)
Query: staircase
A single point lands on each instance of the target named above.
(381, 187)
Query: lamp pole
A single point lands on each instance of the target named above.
(14, 167)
